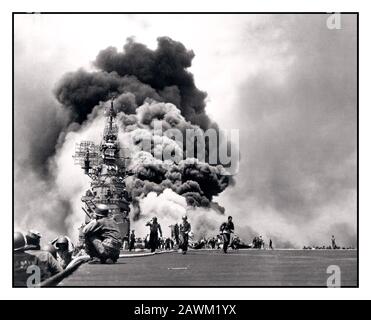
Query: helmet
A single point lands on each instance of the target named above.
(101, 210)
(51, 249)
(154, 218)
(61, 240)
(184, 217)
(33, 234)
(33, 237)
(19, 241)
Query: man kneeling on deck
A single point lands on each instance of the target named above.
(102, 237)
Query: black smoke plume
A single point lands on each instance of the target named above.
(159, 74)
(148, 85)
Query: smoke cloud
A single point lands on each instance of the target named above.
(150, 87)
(159, 74)
(298, 118)
(197, 181)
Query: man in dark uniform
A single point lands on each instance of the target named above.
(212, 242)
(155, 228)
(333, 242)
(31, 267)
(132, 241)
(184, 230)
(167, 244)
(226, 229)
(102, 237)
(176, 234)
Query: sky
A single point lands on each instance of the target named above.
(287, 82)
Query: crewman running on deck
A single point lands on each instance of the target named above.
(102, 237)
(31, 267)
(155, 229)
(184, 229)
(226, 229)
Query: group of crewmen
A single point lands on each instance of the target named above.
(49, 260)
(143, 243)
(224, 239)
(102, 242)
(181, 237)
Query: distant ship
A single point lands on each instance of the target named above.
(106, 168)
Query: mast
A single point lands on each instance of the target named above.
(103, 164)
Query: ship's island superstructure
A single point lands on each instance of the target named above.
(106, 169)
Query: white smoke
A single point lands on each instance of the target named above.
(169, 207)
(70, 180)
(53, 205)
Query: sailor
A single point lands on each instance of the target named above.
(33, 240)
(226, 229)
(155, 228)
(235, 243)
(169, 244)
(261, 243)
(132, 240)
(64, 250)
(333, 242)
(31, 267)
(212, 243)
(176, 234)
(254, 243)
(102, 237)
(184, 230)
(125, 229)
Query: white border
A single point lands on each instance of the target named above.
(180, 293)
